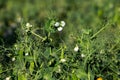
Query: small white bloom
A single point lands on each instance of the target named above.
(59, 28)
(7, 78)
(26, 54)
(62, 23)
(82, 55)
(76, 49)
(13, 59)
(63, 60)
(57, 24)
(28, 25)
(27, 30)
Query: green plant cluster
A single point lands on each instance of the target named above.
(85, 48)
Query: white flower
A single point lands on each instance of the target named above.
(76, 49)
(62, 23)
(28, 25)
(63, 60)
(59, 28)
(82, 55)
(13, 59)
(7, 78)
(26, 54)
(57, 24)
(27, 30)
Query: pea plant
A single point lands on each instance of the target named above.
(40, 53)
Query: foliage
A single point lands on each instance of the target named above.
(33, 48)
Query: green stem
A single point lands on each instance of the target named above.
(113, 46)
(99, 31)
(38, 36)
(6, 70)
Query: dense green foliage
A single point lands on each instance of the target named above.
(86, 47)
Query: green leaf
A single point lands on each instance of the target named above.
(90, 74)
(22, 77)
(0, 68)
(31, 68)
(74, 77)
(47, 52)
(48, 74)
(80, 73)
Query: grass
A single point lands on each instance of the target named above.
(32, 47)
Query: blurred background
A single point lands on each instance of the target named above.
(77, 14)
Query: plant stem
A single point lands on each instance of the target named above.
(100, 30)
(38, 36)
